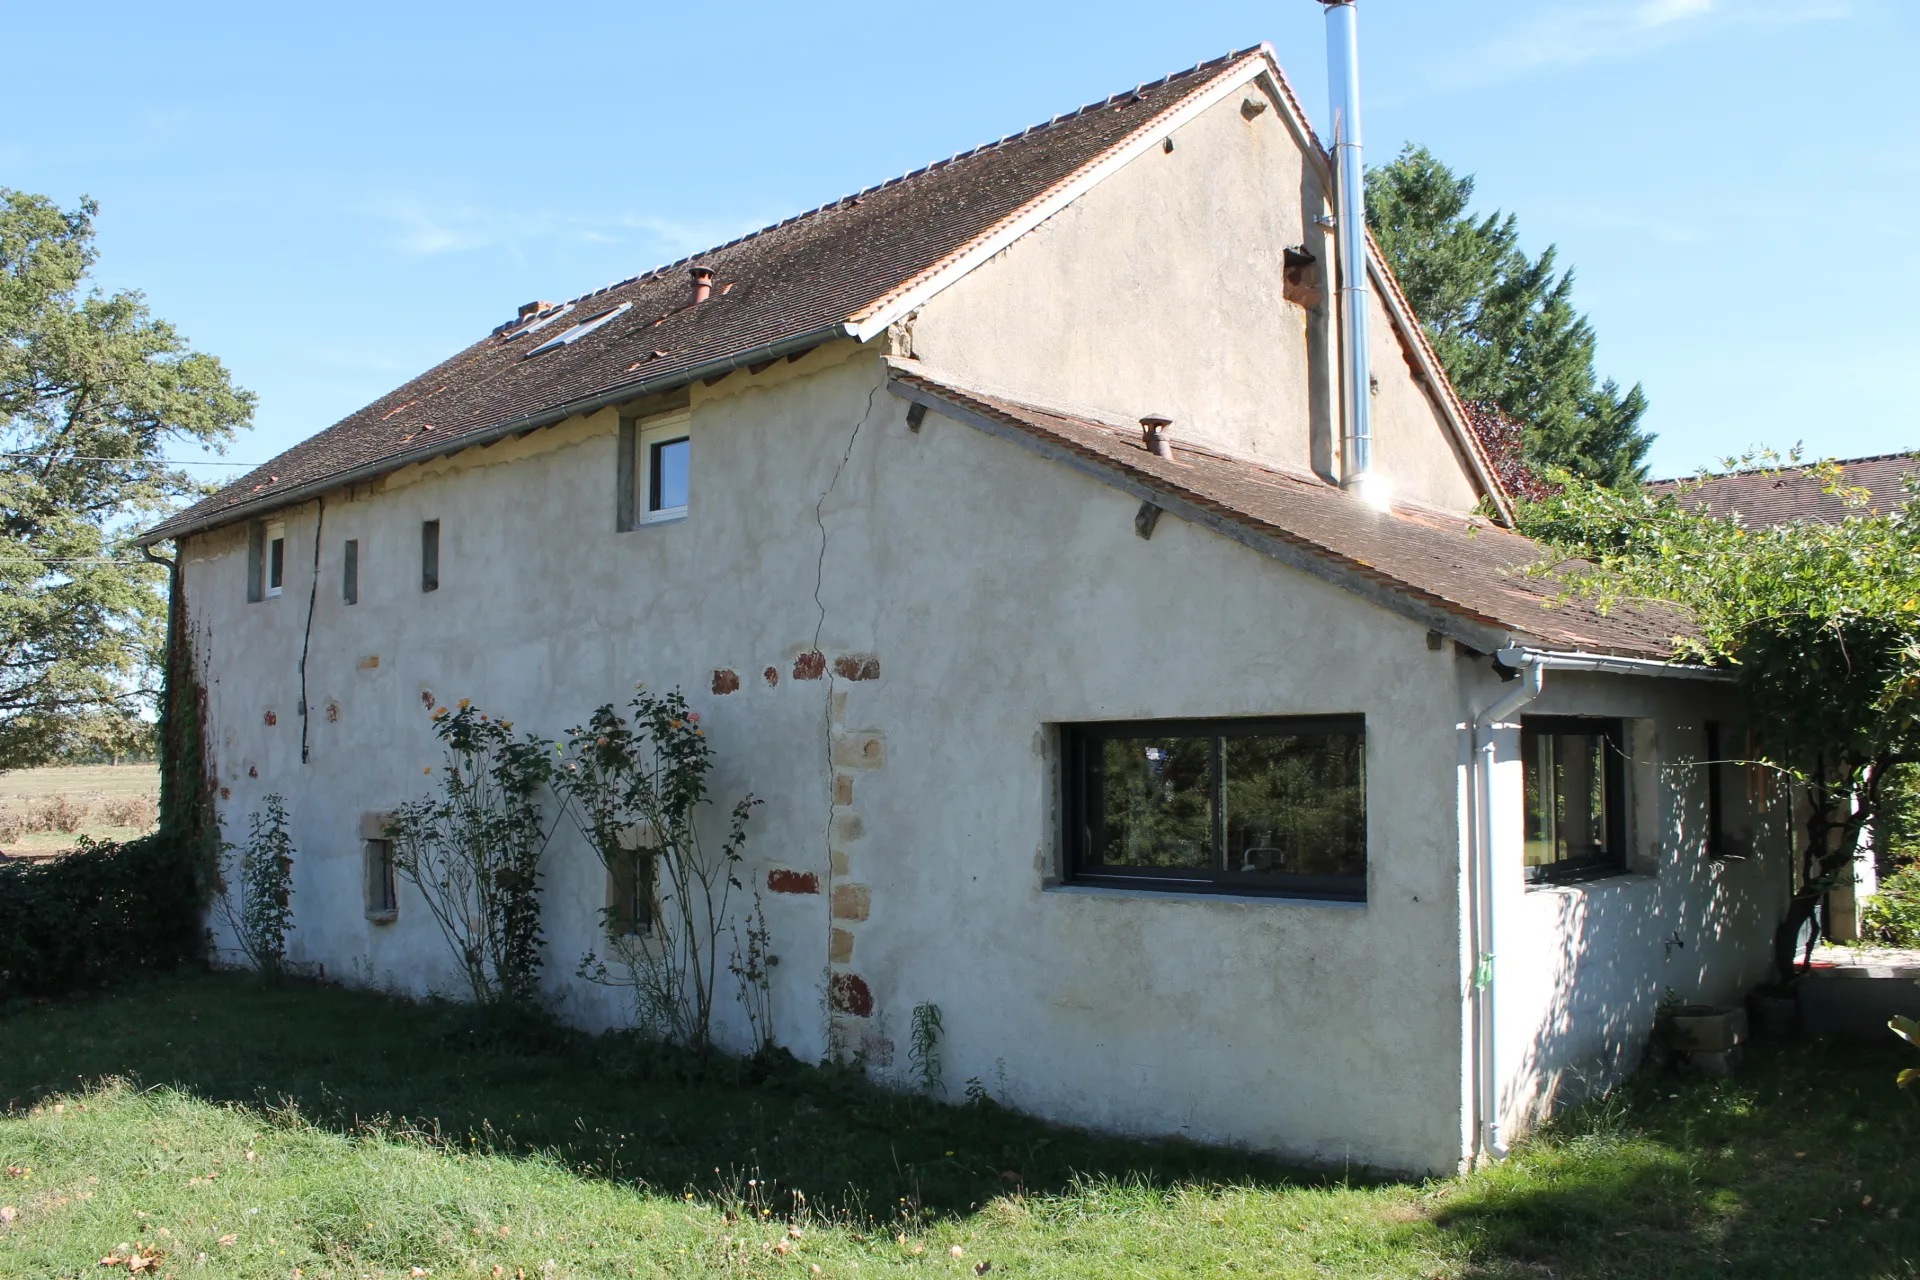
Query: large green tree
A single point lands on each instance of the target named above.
(93, 389)
(1504, 323)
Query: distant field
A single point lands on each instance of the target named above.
(102, 779)
(43, 812)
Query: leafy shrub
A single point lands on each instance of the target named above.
(102, 912)
(1892, 915)
(259, 908)
(13, 824)
(474, 851)
(136, 811)
(61, 813)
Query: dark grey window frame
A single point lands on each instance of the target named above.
(1075, 776)
(429, 555)
(256, 561)
(1612, 860)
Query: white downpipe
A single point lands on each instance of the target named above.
(1350, 241)
(1533, 674)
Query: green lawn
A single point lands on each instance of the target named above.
(319, 1132)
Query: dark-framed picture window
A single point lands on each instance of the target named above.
(1266, 806)
(1573, 771)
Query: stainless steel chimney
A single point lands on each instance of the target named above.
(1350, 240)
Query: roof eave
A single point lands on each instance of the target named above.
(548, 417)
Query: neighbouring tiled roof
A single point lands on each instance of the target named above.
(1795, 493)
(776, 285)
(1464, 565)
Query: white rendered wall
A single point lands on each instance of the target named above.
(1160, 291)
(999, 595)
(1580, 968)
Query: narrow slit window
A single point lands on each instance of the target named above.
(430, 555)
(1573, 775)
(276, 558)
(350, 571)
(383, 897)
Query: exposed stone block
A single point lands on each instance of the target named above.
(852, 901)
(857, 666)
(840, 946)
(877, 1050)
(781, 880)
(843, 788)
(837, 859)
(725, 681)
(848, 825)
(859, 750)
(810, 666)
(849, 993)
(369, 662)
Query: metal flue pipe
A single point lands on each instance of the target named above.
(1350, 238)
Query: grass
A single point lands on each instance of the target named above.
(252, 1132)
(88, 786)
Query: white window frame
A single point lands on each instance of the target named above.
(276, 531)
(664, 429)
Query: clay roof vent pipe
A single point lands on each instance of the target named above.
(532, 308)
(1156, 435)
(702, 278)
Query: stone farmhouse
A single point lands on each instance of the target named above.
(1008, 525)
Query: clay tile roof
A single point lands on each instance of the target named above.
(1457, 567)
(774, 292)
(1794, 493)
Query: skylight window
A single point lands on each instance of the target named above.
(580, 330)
(541, 323)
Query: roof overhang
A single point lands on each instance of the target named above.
(793, 346)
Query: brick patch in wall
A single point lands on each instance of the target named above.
(780, 880)
(840, 946)
(810, 666)
(852, 901)
(857, 666)
(272, 718)
(772, 676)
(725, 681)
(859, 750)
(849, 993)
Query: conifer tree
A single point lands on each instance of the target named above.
(1503, 323)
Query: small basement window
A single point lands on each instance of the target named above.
(383, 896)
(1219, 806)
(630, 894)
(350, 571)
(430, 555)
(1573, 773)
(378, 870)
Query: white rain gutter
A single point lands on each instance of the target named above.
(1350, 243)
(1533, 665)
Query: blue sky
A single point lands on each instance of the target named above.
(332, 198)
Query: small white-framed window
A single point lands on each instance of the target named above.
(663, 465)
(276, 539)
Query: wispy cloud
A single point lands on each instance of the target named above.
(1560, 34)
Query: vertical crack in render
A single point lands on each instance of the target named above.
(819, 628)
(306, 641)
